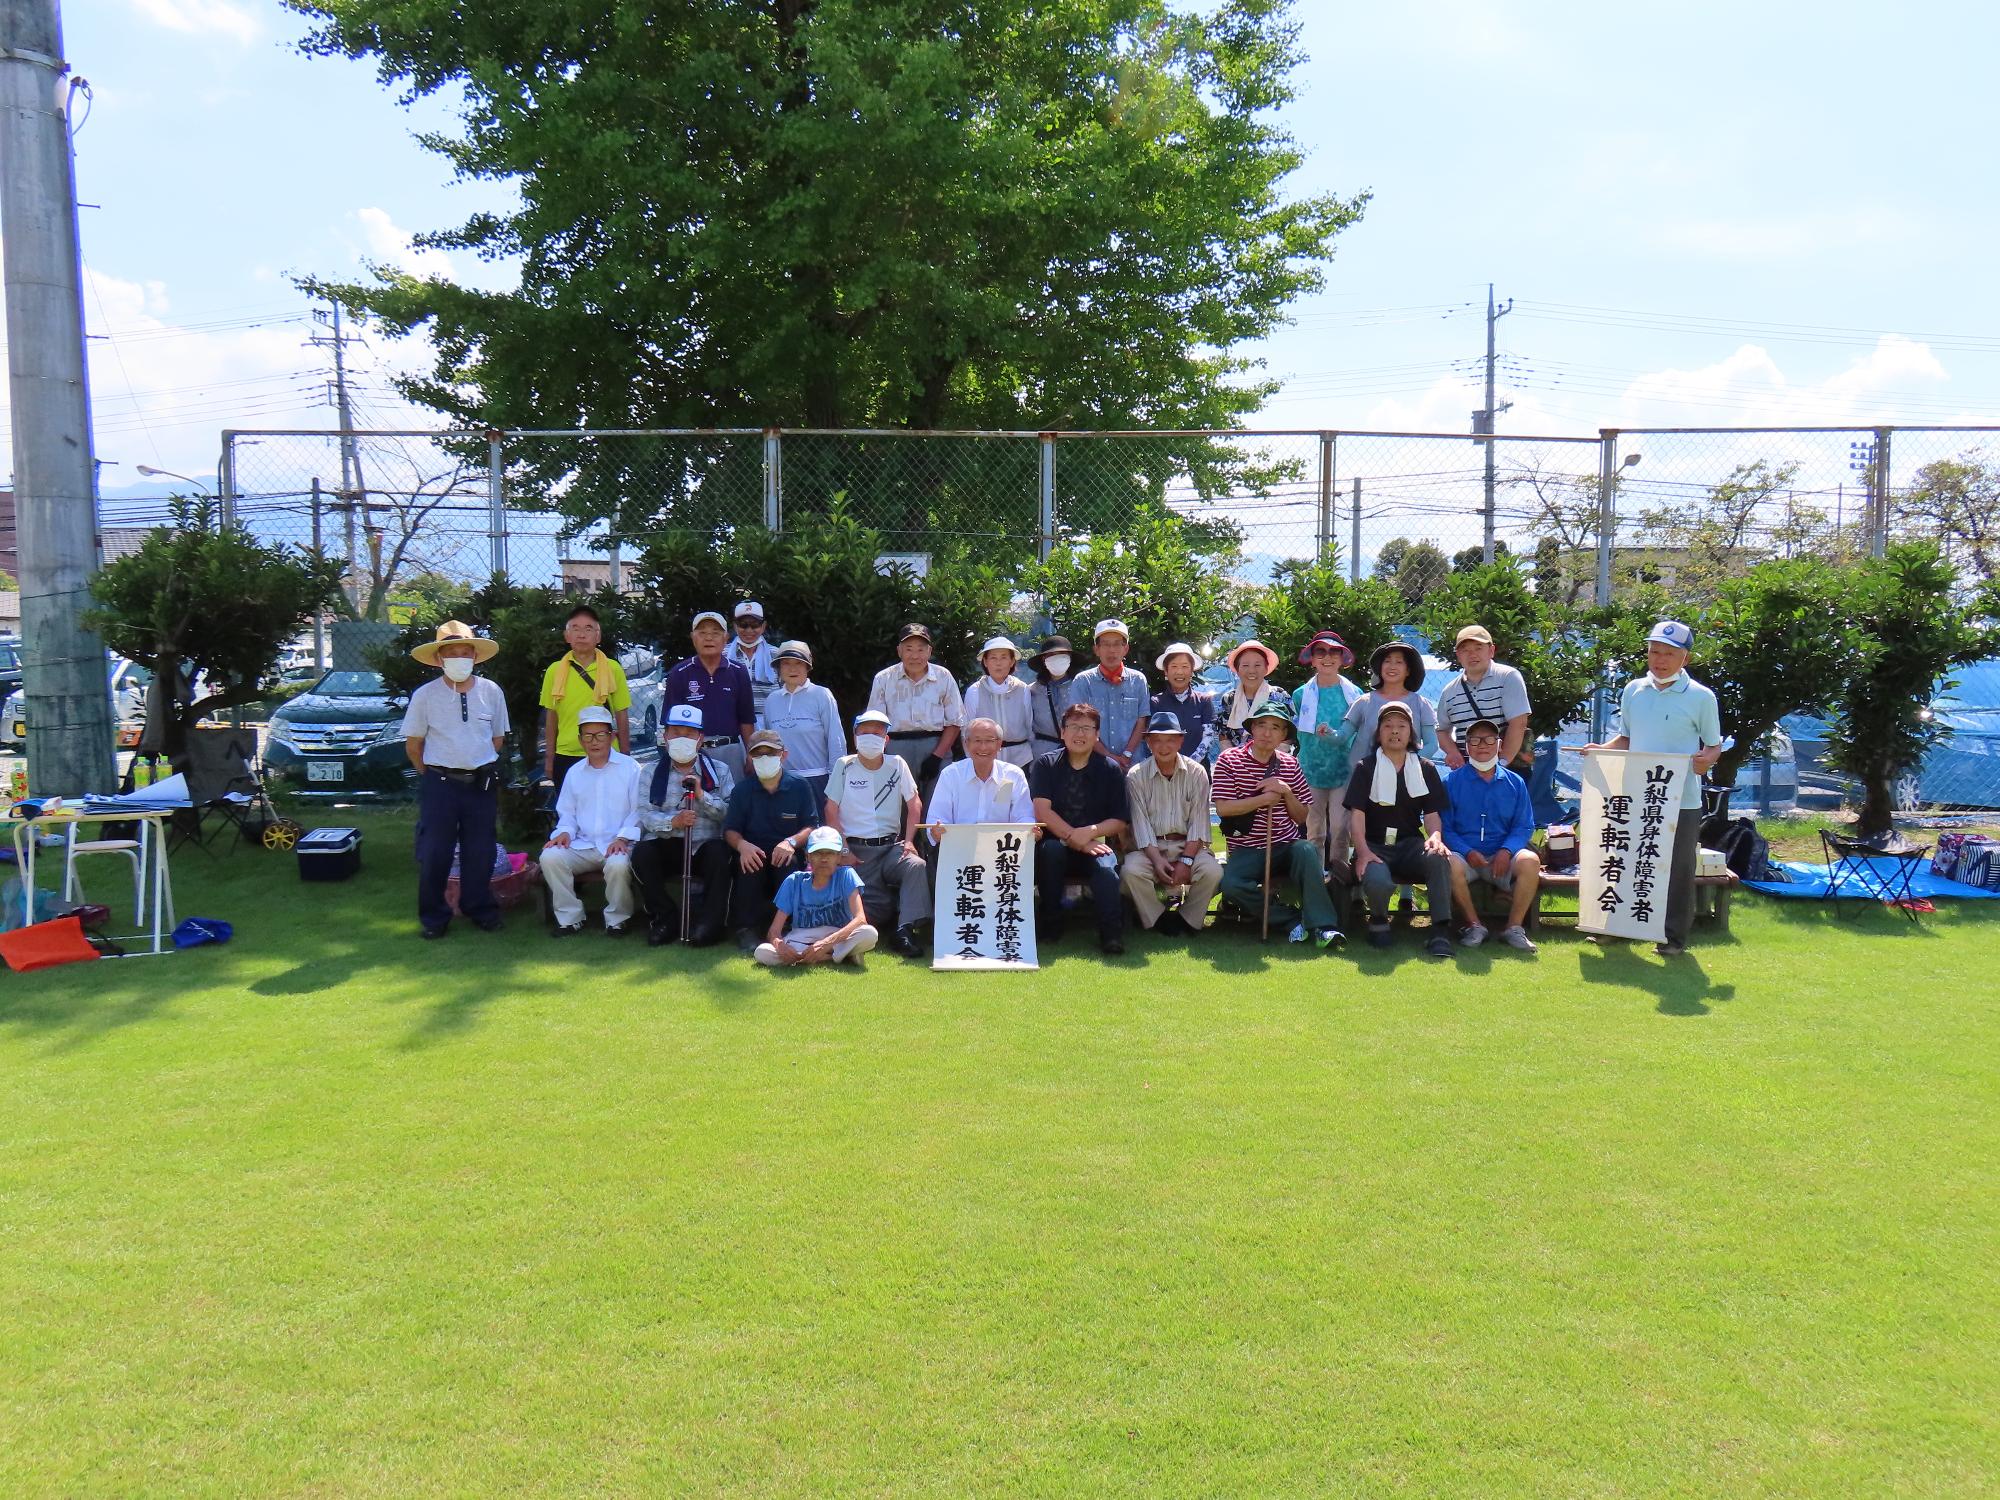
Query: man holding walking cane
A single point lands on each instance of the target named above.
(684, 807)
(1262, 797)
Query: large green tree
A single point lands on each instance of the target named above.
(838, 213)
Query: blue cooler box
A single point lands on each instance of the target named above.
(329, 853)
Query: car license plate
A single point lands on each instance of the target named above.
(326, 770)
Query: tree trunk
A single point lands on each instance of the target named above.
(1878, 804)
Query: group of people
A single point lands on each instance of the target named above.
(809, 846)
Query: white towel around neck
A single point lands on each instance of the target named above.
(1382, 791)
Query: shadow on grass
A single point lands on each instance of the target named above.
(1680, 986)
(1860, 918)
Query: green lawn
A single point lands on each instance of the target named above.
(335, 1211)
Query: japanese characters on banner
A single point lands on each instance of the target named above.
(1625, 841)
(984, 916)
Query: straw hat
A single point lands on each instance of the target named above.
(451, 633)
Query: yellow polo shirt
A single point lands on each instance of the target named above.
(578, 695)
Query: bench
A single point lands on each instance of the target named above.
(1711, 894)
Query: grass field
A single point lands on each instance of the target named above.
(334, 1211)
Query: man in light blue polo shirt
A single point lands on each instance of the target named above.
(1118, 693)
(1667, 712)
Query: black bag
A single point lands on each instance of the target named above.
(1746, 851)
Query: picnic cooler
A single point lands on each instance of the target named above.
(329, 853)
(1969, 858)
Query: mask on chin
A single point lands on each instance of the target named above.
(681, 751)
(1483, 766)
(457, 668)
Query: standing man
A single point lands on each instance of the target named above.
(803, 714)
(1484, 689)
(872, 800)
(1192, 707)
(1667, 712)
(1487, 828)
(1262, 797)
(1117, 693)
(583, 677)
(923, 706)
(719, 688)
(770, 814)
(597, 823)
(753, 653)
(453, 731)
(1080, 801)
(688, 800)
(1168, 794)
(1051, 689)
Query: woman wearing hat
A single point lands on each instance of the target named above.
(453, 730)
(1396, 802)
(1048, 695)
(1320, 708)
(1002, 697)
(803, 714)
(1395, 672)
(1253, 662)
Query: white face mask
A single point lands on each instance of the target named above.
(1058, 665)
(457, 668)
(681, 751)
(767, 767)
(871, 746)
(1483, 765)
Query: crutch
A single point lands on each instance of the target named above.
(689, 784)
(1270, 831)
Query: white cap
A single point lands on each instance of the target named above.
(825, 841)
(751, 608)
(709, 614)
(1000, 643)
(1109, 627)
(595, 715)
(1178, 648)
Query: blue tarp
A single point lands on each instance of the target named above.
(1809, 881)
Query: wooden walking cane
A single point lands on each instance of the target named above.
(1270, 829)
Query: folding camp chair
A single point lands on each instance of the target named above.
(222, 787)
(1872, 874)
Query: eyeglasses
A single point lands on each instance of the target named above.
(593, 734)
(1326, 651)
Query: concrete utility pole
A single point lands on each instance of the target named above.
(1482, 420)
(353, 487)
(55, 472)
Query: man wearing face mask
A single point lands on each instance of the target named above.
(771, 814)
(453, 731)
(1487, 828)
(688, 799)
(872, 799)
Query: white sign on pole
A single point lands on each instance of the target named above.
(1625, 841)
(985, 908)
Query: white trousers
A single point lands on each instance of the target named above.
(859, 941)
(560, 867)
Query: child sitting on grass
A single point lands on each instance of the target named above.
(822, 905)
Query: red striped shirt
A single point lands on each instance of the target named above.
(1238, 774)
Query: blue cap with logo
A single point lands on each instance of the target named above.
(684, 716)
(1673, 633)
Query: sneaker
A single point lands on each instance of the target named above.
(1474, 935)
(1330, 939)
(1298, 934)
(1517, 937)
(1670, 950)
(619, 931)
(1380, 937)
(570, 931)
(1110, 947)
(491, 924)
(1438, 947)
(904, 944)
(659, 934)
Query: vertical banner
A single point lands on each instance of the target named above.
(984, 915)
(1625, 841)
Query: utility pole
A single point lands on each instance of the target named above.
(352, 485)
(55, 470)
(319, 615)
(1482, 420)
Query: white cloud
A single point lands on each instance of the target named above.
(1749, 389)
(385, 243)
(223, 18)
(1786, 238)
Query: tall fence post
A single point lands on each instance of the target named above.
(1607, 536)
(774, 482)
(617, 565)
(1354, 543)
(319, 614)
(496, 503)
(1326, 457)
(225, 478)
(1878, 493)
(1045, 523)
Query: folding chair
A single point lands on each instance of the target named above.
(219, 764)
(1869, 873)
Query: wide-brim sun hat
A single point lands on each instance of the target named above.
(456, 633)
(1178, 648)
(1325, 638)
(1277, 706)
(1052, 645)
(1270, 656)
(793, 651)
(1413, 658)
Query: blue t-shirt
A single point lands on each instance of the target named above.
(808, 907)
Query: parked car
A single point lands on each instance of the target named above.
(646, 676)
(342, 737)
(10, 664)
(127, 681)
(1962, 770)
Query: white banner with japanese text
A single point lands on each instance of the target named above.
(985, 909)
(1625, 841)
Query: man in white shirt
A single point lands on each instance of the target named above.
(983, 788)
(871, 797)
(923, 705)
(597, 823)
(452, 732)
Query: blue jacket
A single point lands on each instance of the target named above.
(1487, 816)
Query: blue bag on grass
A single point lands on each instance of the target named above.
(198, 930)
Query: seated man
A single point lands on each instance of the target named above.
(1396, 803)
(688, 800)
(982, 788)
(771, 814)
(1261, 795)
(1487, 828)
(872, 801)
(1168, 793)
(822, 906)
(1080, 802)
(597, 823)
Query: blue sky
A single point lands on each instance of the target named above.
(1737, 214)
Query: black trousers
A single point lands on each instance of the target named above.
(750, 903)
(1056, 864)
(453, 818)
(655, 862)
